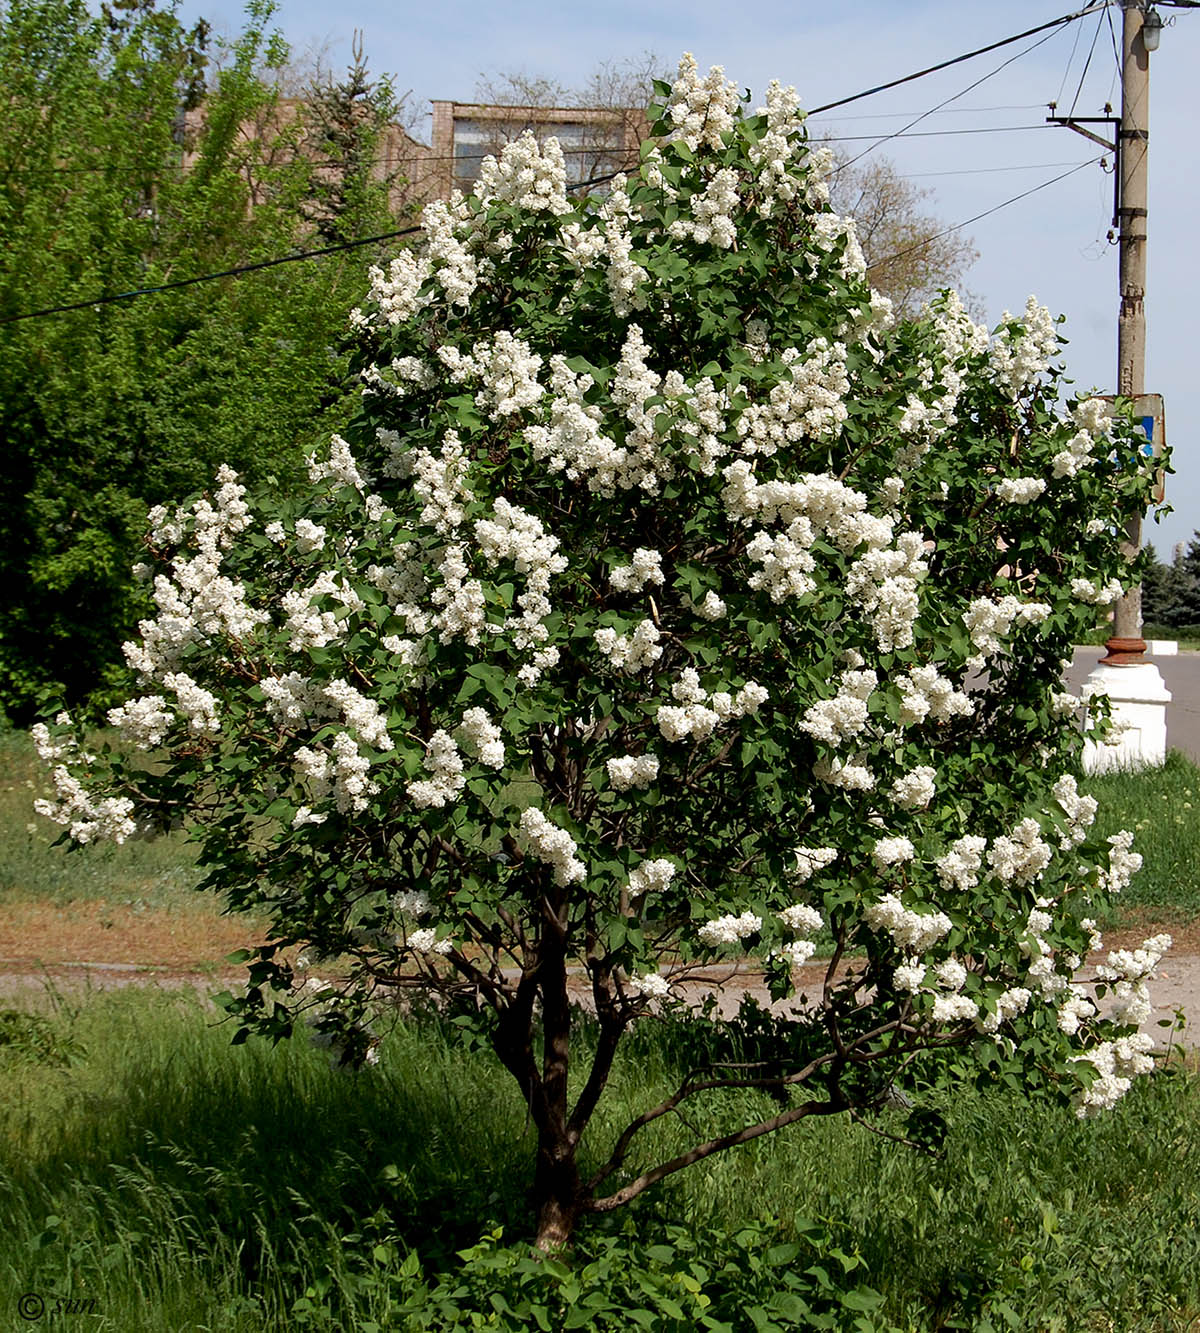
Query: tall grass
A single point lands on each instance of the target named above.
(1162, 806)
(155, 872)
(183, 1183)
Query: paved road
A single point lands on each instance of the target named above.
(1181, 675)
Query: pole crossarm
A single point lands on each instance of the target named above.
(1079, 124)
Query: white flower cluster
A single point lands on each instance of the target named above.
(1086, 590)
(632, 770)
(926, 693)
(397, 293)
(507, 370)
(414, 903)
(649, 986)
(1123, 863)
(916, 789)
(712, 212)
(888, 852)
(795, 952)
(1075, 1010)
(1079, 810)
(959, 866)
(809, 860)
(836, 720)
(848, 774)
(802, 918)
(651, 876)
(310, 626)
(702, 111)
(573, 443)
(1077, 454)
(830, 230)
(913, 932)
(1019, 358)
(553, 846)
(787, 563)
(444, 764)
(804, 921)
(953, 1008)
(1117, 1064)
(200, 602)
(342, 774)
(629, 653)
(425, 941)
(625, 278)
(883, 580)
(459, 600)
(645, 567)
(809, 404)
(358, 712)
(1125, 973)
(1009, 1004)
(514, 535)
(85, 817)
(699, 714)
(441, 482)
(712, 607)
(196, 704)
(729, 929)
(1020, 490)
(447, 258)
(1022, 856)
(960, 340)
(143, 722)
(530, 175)
(778, 146)
(483, 736)
(989, 622)
(339, 468)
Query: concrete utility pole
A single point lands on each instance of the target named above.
(1127, 646)
(1134, 686)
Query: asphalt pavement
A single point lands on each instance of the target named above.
(1181, 675)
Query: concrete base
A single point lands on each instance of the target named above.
(1139, 709)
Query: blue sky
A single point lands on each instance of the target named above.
(1051, 244)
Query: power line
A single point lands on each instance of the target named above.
(1087, 64)
(238, 270)
(951, 111)
(986, 171)
(970, 87)
(987, 212)
(936, 134)
(969, 55)
(1070, 62)
(208, 277)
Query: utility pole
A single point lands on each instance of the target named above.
(1126, 646)
(1134, 686)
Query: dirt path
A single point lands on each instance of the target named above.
(29, 981)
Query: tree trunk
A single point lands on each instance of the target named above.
(556, 1195)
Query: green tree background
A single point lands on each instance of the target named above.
(110, 409)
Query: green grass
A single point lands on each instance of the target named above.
(1187, 636)
(1162, 807)
(183, 1183)
(156, 872)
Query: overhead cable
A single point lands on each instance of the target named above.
(987, 212)
(968, 55)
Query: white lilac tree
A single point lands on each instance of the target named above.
(629, 628)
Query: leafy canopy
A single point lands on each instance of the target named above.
(666, 604)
